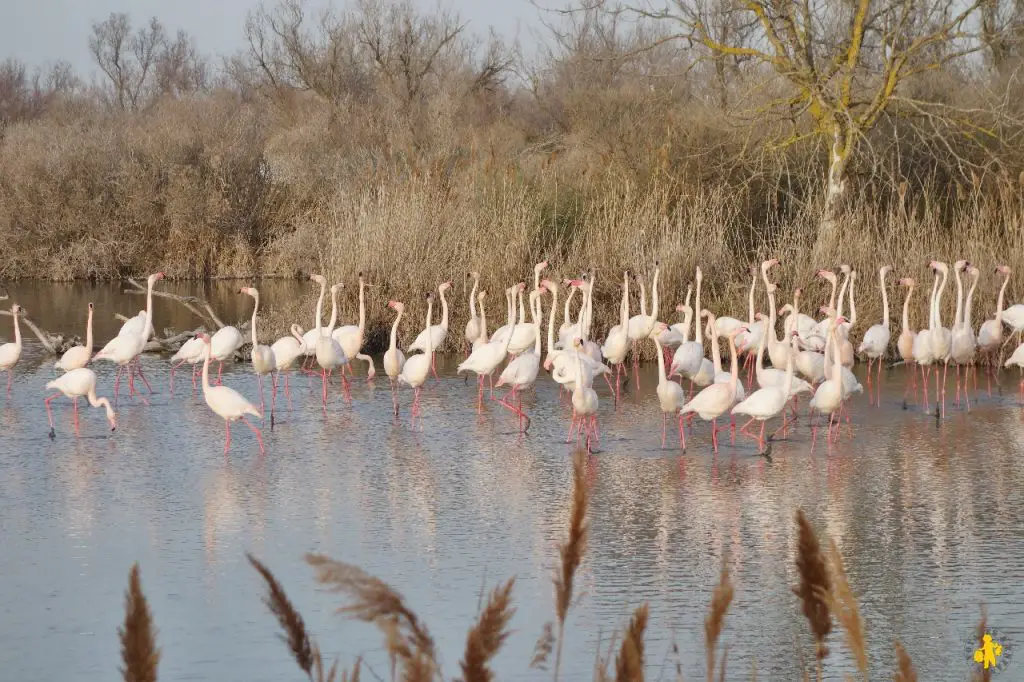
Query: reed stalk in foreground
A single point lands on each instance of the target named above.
(138, 637)
(406, 637)
(488, 635)
(814, 582)
(905, 668)
(980, 672)
(295, 635)
(842, 602)
(571, 550)
(629, 666)
(715, 620)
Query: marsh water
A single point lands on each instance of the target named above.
(927, 515)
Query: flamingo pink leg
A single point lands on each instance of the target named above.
(714, 434)
(682, 433)
(138, 368)
(10, 378)
(74, 403)
(227, 439)
(256, 432)
(195, 371)
(49, 412)
(117, 384)
(174, 367)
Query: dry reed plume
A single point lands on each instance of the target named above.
(629, 665)
(905, 667)
(715, 620)
(295, 635)
(572, 550)
(139, 652)
(814, 583)
(488, 635)
(843, 605)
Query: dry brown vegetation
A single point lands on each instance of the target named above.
(823, 593)
(380, 139)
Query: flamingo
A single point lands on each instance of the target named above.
(876, 339)
(223, 345)
(768, 401)
(227, 403)
(689, 356)
(10, 353)
(484, 360)
(78, 356)
(905, 343)
(774, 377)
(721, 376)
(394, 358)
(74, 384)
(481, 338)
(526, 333)
(1013, 317)
(561, 361)
(1017, 358)
(309, 339)
(642, 326)
(125, 348)
(828, 399)
(990, 335)
(500, 333)
(795, 320)
(748, 343)
(191, 352)
(963, 344)
(940, 338)
(584, 400)
(417, 367)
(922, 347)
(587, 316)
(263, 361)
(521, 373)
(569, 330)
(473, 326)
(329, 354)
(350, 337)
(815, 338)
(287, 350)
(715, 400)
(845, 347)
(847, 378)
(437, 333)
(670, 398)
(810, 363)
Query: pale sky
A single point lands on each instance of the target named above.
(41, 31)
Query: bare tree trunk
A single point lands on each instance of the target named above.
(835, 191)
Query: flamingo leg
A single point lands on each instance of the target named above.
(74, 403)
(682, 433)
(870, 395)
(194, 373)
(760, 440)
(323, 393)
(664, 428)
(967, 396)
(433, 365)
(10, 378)
(227, 437)
(273, 397)
(732, 429)
(138, 368)
(256, 432)
(596, 429)
(287, 391)
(480, 394)
(945, 367)
(714, 434)
(174, 367)
(117, 384)
(49, 412)
(878, 383)
(259, 386)
(220, 370)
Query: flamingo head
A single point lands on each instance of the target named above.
(826, 274)
(938, 266)
(17, 309)
(576, 283)
(549, 285)
(521, 286)
(482, 295)
(907, 281)
(539, 267)
(661, 327)
(90, 306)
(247, 290)
(845, 269)
(788, 308)
(475, 275)
(1004, 269)
(841, 320)
(960, 265)
(445, 286)
(205, 338)
(769, 264)
(682, 308)
(319, 279)
(397, 306)
(112, 419)
(155, 276)
(885, 270)
(699, 275)
(577, 342)
(760, 316)
(798, 292)
(743, 329)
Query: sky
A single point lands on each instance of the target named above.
(42, 31)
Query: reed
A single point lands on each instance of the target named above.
(715, 620)
(905, 671)
(814, 584)
(295, 635)
(572, 550)
(139, 653)
(843, 605)
(488, 635)
(629, 665)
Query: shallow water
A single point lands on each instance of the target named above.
(927, 517)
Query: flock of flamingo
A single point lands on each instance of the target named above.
(812, 356)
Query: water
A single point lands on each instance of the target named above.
(927, 518)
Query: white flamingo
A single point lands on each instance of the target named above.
(309, 339)
(227, 403)
(990, 335)
(521, 373)
(484, 360)
(584, 400)
(77, 383)
(473, 326)
(351, 336)
(828, 399)
(905, 342)
(78, 356)
(191, 352)
(437, 332)
(717, 399)
(875, 343)
(642, 326)
(287, 350)
(939, 337)
(329, 354)
(417, 367)
(670, 398)
(963, 343)
(125, 348)
(394, 358)
(769, 401)
(481, 338)
(263, 361)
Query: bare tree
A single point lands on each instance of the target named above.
(129, 59)
(843, 65)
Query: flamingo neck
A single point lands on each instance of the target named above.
(931, 301)
(697, 309)
(565, 315)
(362, 306)
(661, 363)
(624, 305)
(885, 300)
(483, 322)
(100, 402)
(17, 330)
(394, 332)
(773, 316)
(958, 316)
(643, 299)
(716, 352)
(522, 310)
(999, 302)
(430, 340)
(832, 297)
(762, 342)
(88, 332)
(906, 309)
(734, 365)
(968, 304)
(149, 310)
(252, 324)
(654, 294)
(687, 322)
(536, 312)
(842, 294)
(750, 300)
(444, 309)
(853, 306)
(472, 298)
(320, 307)
(551, 322)
(334, 311)
(787, 383)
(938, 300)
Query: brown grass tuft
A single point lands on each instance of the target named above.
(905, 671)
(138, 637)
(572, 549)
(295, 634)
(488, 635)
(814, 582)
(629, 666)
(715, 620)
(721, 669)
(374, 601)
(843, 604)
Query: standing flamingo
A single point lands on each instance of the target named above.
(922, 348)
(310, 338)
(473, 326)
(394, 358)
(642, 326)
(329, 354)
(522, 372)
(990, 336)
(905, 343)
(670, 398)
(963, 344)
(417, 367)
(616, 343)
(940, 338)
(437, 332)
(481, 338)
(286, 351)
(484, 360)
(127, 347)
(351, 336)
(227, 403)
(715, 400)
(828, 399)
(78, 356)
(10, 353)
(263, 362)
(223, 345)
(875, 343)
(767, 402)
(191, 352)
(75, 384)
(584, 400)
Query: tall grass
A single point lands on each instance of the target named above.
(823, 594)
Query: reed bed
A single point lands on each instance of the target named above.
(823, 594)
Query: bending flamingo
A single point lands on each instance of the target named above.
(75, 384)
